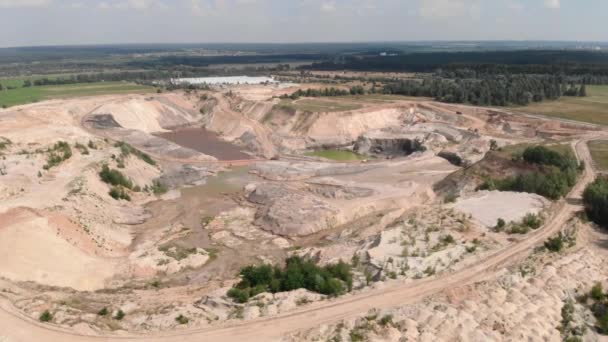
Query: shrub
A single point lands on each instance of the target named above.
(555, 244)
(532, 220)
(158, 187)
(597, 292)
(448, 239)
(60, 152)
(103, 312)
(239, 295)
(83, 149)
(500, 224)
(181, 319)
(119, 315)
(119, 193)
(386, 320)
(46, 316)
(114, 177)
(126, 150)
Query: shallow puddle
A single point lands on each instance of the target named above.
(204, 141)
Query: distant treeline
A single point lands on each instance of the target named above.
(98, 77)
(203, 61)
(489, 91)
(356, 90)
(490, 62)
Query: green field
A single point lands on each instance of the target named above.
(337, 155)
(382, 98)
(593, 108)
(19, 96)
(316, 105)
(599, 153)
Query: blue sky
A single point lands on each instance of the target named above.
(51, 22)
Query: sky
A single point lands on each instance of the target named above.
(76, 22)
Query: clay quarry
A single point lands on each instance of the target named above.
(129, 217)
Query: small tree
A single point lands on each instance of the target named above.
(582, 92)
(103, 312)
(46, 316)
(500, 224)
(597, 292)
(119, 315)
(181, 319)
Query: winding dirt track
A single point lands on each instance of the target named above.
(16, 327)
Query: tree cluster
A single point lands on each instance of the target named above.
(553, 176)
(333, 279)
(489, 91)
(595, 199)
(327, 92)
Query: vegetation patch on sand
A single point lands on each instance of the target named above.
(337, 155)
(551, 174)
(318, 105)
(333, 279)
(24, 95)
(592, 108)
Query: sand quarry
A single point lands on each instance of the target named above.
(223, 179)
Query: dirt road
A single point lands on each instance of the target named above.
(16, 327)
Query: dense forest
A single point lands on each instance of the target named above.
(490, 90)
(489, 62)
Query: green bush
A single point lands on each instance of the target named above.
(119, 315)
(83, 149)
(119, 193)
(158, 187)
(597, 292)
(60, 152)
(500, 223)
(595, 199)
(126, 150)
(532, 220)
(239, 295)
(46, 316)
(555, 244)
(114, 177)
(333, 279)
(181, 319)
(103, 312)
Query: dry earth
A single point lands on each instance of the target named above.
(70, 248)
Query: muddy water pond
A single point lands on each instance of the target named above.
(204, 141)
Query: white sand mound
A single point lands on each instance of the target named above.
(147, 116)
(31, 249)
(488, 206)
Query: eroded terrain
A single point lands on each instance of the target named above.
(218, 180)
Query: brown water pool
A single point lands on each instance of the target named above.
(206, 142)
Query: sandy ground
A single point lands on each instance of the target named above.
(155, 257)
(488, 206)
(32, 249)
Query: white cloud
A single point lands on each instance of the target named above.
(516, 6)
(328, 6)
(441, 9)
(24, 3)
(131, 4)
(553, 4)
